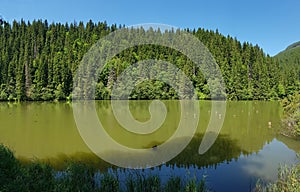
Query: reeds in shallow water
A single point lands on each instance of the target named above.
(77, 176)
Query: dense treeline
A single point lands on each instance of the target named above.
(38, 62)
(290, 64)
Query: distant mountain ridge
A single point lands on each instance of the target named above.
(294, 45)
(290, 54)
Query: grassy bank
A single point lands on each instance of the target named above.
(291, 119)
(288, 180)
(35, 176)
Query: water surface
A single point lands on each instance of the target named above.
(247, 148)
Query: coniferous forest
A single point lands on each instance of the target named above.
(38, 61)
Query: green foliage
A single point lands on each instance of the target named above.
(38, 61)
(294, 45)
(153, 184)
(193, 186)
(291, 120)
(78, 177)
(109, 183)
(37, 177)
(289, 61)
(173, 185)
(288, 180)
(9, 169)
(59, 93)
(34, 176)
(139, 182)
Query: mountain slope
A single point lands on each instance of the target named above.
(290, 55)
(294, 45)
(289, 60)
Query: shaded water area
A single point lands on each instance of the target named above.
(248, 146)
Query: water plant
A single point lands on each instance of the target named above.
(77, 176)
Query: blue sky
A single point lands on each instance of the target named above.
(272, 24)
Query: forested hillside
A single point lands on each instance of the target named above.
(38, 61)
(289, 60)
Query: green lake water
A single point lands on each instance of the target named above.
(248, 146)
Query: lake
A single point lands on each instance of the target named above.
(247, 148)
